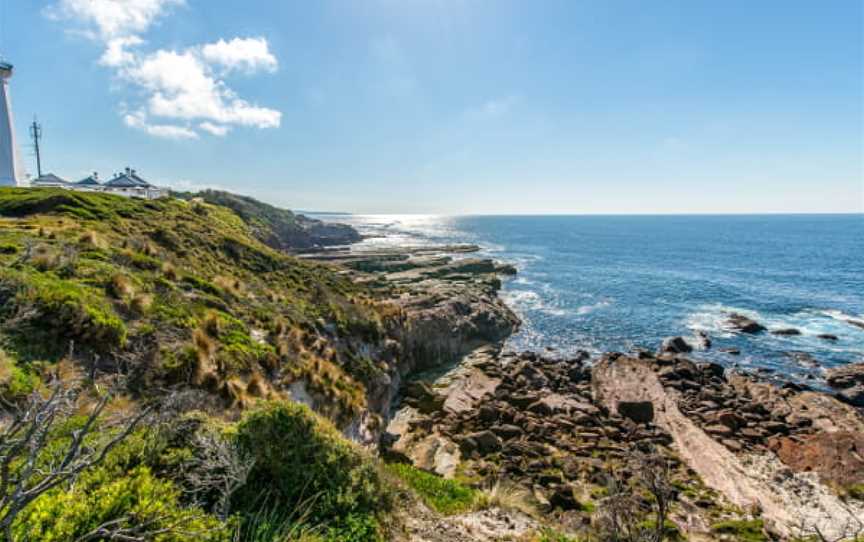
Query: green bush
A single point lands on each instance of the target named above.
(64, 310)
(355, 528)
(135, 500)
(445, 496)
(302, 460)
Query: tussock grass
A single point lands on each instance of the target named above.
(509, 496)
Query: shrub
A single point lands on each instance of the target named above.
(15, 382)
(62, 309)
(300, 457)
(355, 528)
(137, 500)
(445, 496)
(8, 248)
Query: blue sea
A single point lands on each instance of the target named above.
(615, 283)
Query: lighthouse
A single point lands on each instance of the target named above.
(11, 169)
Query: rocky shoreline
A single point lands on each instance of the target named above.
(741, 449)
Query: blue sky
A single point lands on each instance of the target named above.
(458, 106)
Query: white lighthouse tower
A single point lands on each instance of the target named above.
(11, 169)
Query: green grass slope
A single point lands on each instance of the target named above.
(279, 228)
(177, 293)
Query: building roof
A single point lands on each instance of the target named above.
(89, 181)
(128, 179)
(49, 178)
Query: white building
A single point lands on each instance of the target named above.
(128, 184)
(11, 168)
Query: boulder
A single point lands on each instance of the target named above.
(487, 441)
(507, 431)
(421, 396)
(845, 376)
(827, 337)
(487, 414)
(563, 497)
(730, 419)
(786, 331)
(675, 345)
(718, 429)
(712, 369)
(849, 381)
(638, 411)
(743, 324)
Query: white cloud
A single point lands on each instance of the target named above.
(112, 18)
(139, 121)
(247, 54)
(117, 53)
(179, 88)
(214, 129)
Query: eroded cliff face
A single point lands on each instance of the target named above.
(446, 308)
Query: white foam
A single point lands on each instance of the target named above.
(587, 309)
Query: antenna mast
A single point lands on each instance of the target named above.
(36, 134)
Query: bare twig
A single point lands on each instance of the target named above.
(28, 470)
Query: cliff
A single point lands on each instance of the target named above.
(279, 228)
(187, 308)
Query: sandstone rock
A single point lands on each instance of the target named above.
(845, 376)
(487, 414)
(718, 429)
(675, 345)
(730, 419)
(507, 431)
(733, 445)
(775, 427)
(638, 411)
(849, 380)
(522, 400)
(563, 497)
(467, 446)
(712, 369)
(854, 396)
(487, 441)
(836, 457)
(743, 324)
(421, 396)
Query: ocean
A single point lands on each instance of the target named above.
(615, 283)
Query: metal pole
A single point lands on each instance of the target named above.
(36, 134)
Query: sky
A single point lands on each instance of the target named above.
(456, 106)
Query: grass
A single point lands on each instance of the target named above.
(445, 496)
(741, 530)
(552, 535)
(107, 272)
